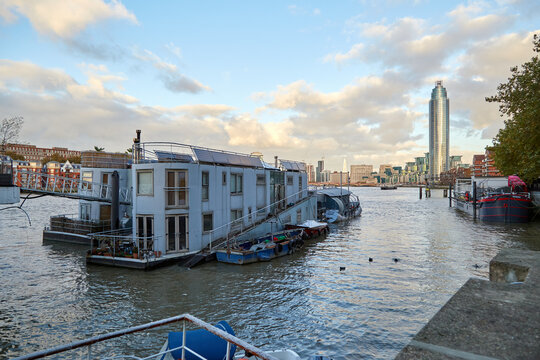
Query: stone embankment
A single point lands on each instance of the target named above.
(486, 320)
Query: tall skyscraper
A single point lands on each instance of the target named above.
(439, 131)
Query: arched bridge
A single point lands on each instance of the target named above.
(73, 188)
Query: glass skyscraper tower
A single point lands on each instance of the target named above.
(439, 134)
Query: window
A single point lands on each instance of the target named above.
(261, 179)
(298, 216)
(87, 180)
(205, 188)
(145, 231)
(208, 223)
(236, 214)
(289, 180)
(145, 183)
(236, 183)
(224, 176)
(85, 211)
(177, 188)
(177, 232)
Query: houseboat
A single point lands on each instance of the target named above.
(494, 199)
(337, 204)
(187, 199)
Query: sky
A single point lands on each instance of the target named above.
(303, 80)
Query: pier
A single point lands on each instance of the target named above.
(495, 319)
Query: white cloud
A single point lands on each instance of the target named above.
(64, 18)
(170, 75)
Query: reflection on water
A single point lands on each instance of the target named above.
(303, 301)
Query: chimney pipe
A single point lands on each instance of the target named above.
(276, 161)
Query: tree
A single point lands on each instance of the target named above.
(98, 149)
(9, 130)
(14, 155)
(516, 146)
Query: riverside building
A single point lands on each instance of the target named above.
(439, 131)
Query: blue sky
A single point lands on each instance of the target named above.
(301, 80)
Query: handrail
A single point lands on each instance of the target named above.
(183, 317)
(247, 216)
(73, 187)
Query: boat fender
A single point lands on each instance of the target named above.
(276, 251)
(279, 248)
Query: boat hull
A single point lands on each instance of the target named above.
(505, 208)
(248, 257)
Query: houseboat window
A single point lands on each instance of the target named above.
(105, 212)
(87, 180)
(236, 183)
(205, 185)
(298, 216)
(289, 180)
(300, 186)
(224, 176)
(261, 179)
(145, 231)
(177, 233)
(177, 188)
(85, 211)
(145, 183)
(208, 223)
(236, 214)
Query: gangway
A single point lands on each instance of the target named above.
(73, 188)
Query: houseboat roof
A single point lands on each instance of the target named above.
(333, 192)
(174, 152)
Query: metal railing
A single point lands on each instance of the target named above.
(87, 343)
(68, 187)
(75, 225)
(121, 243)
(237, 227)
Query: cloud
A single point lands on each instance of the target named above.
(415, 47)
(64, 18)
(169, 74)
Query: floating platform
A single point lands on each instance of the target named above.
(65, 237)
(140, 264)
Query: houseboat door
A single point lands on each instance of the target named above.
(177, 233)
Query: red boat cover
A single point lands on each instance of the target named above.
(514, 181)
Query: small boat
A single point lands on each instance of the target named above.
(311, 228)
(263, 248)
(388, 187)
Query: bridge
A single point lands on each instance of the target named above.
(73, 188)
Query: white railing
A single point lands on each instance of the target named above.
(67, 186)
(87, 343)
(238, 226)
(121, 243)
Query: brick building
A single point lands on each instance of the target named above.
(34, 153)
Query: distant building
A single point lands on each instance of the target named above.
(439, 131)
(311, 173)
(383, 169)
(359, 173)
(478, 165)
(339, 177)
(33, 153)
(455, 161)
(325, 176)
(319, 170)
(489, 165)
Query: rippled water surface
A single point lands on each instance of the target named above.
(48, 296)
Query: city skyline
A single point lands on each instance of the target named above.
(298, 80)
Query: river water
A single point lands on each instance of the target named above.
(48, 296)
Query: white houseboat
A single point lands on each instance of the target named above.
(186, 199)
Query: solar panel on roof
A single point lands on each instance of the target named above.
(218, 157)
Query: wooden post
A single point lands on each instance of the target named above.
(474, 198)
(450, 195)
(420, 188)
